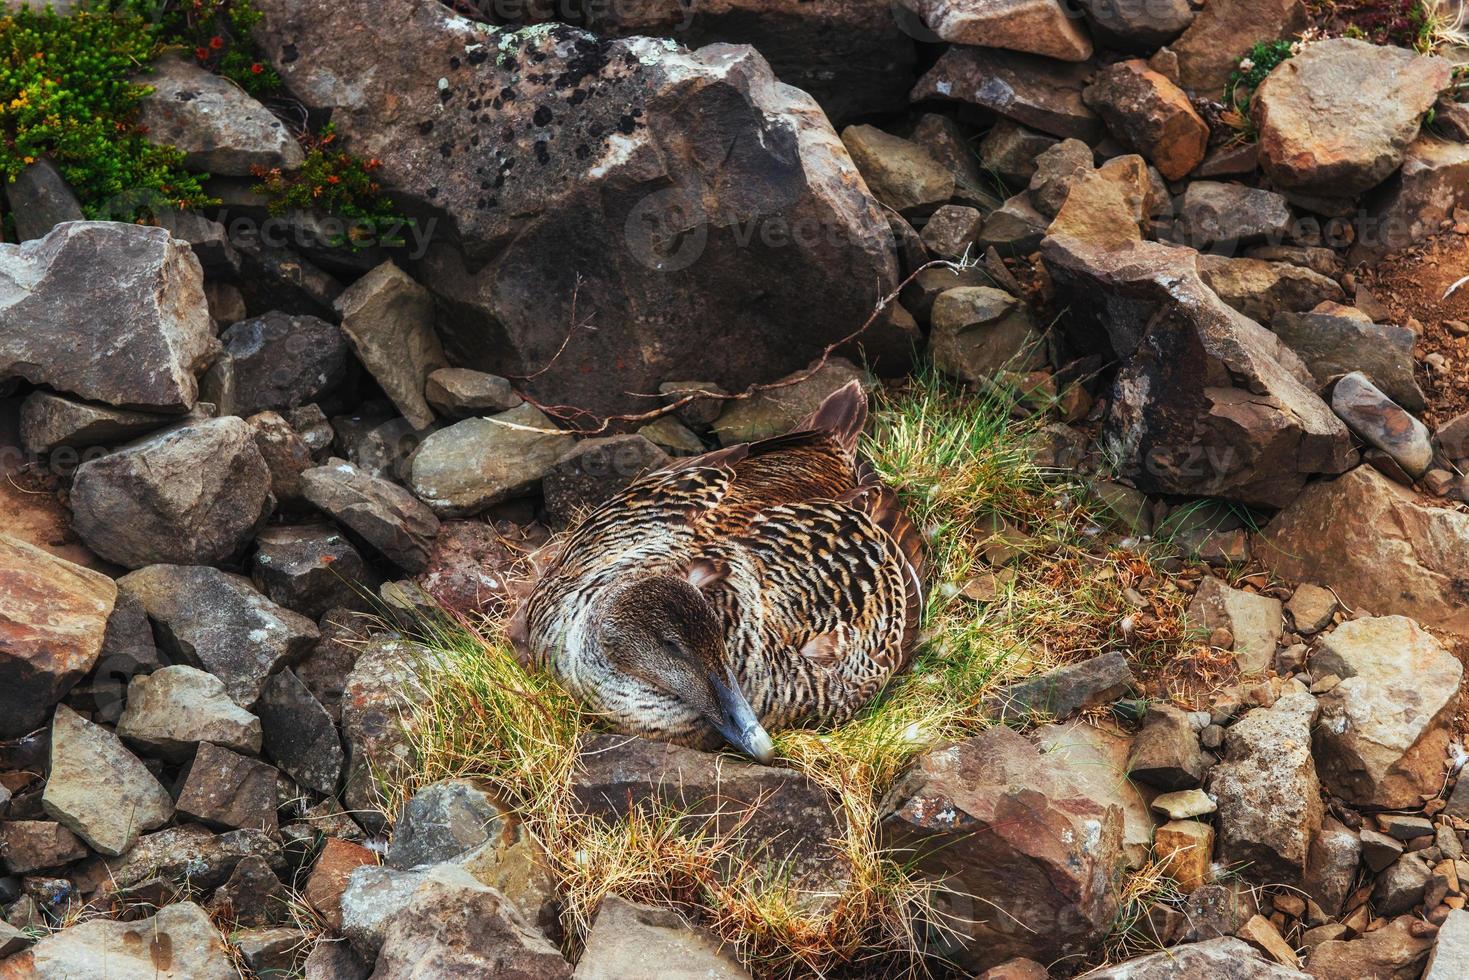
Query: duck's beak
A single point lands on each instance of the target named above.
(739, 726)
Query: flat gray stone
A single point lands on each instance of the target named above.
(170, 711)
(218, 126)
(473, 465)
(99, 790)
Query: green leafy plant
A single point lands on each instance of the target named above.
(217, 34)
(66, 93)
(1252, 69)
(336, 182)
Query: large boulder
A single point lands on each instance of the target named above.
(1385, 729)
(179, 941)
(1378, 546)
(217, 125)
(1024, 858)
(114, 313)
(1337, 118)
(53, 621)
(195, 494)
(1267, 791)
(217, 622)
(629, 184)
(1207, 402)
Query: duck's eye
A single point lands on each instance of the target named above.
(673, 649)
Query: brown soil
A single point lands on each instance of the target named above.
(1411, 284)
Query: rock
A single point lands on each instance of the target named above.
(1262, 290)
(1219, 217)
(473, 465)
(227, 791)
(593, 470)
(299, 734)
(1385, 728)
(1040, 27)
(40, 199)
(1449, 957)
(310, 569)
(385, 516)
(1254, 621)
(1378, 850)
(1332, 345)
(385, 683)
(50, 421)
(192, 855)
(33, 845)
(638, 940)
(978, 332)
(1148, 113)
(53, 622)
(389, 320)
(1015, 226)
(1337, 118)
(1225, 958)
(1032, 91)
(270, 952)
(459, 393)
(178, 942)
(12, 940)
(1331, 867)
(619, 192)
(1261, 933)
(314, 428)
(450, 922)
(335, 960)
(1393, 952)
(445, 822)
(1222, 33)
(170, 711)
(901, 174)
(1409, 207)
(1139, 28)
(1056, 171)
(952, 231)
(756, 805)
(1009, 150)
(701, 412)
(773, 411)
(217, 622)
(282, 362)
(1185, 849)
(1267, 791)
(219, 128)
(1183, 419)
(1108, 205)
(99, 790)
(1095, 756)
(951, 144)
(191, 495)
(1166, 752)
(1046, 877)
(1183, 804)
(252, 897)
(1404, 827)
(1063, 690)
(1373, 544)
(140, 295)
(1383, 423)
(331, 875)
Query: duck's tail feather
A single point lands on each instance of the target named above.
(887, 511)
(843, 414)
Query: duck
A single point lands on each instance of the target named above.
(762, 586)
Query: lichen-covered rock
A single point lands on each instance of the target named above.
(382, 514)
(385, 683)
(217, 622)
(177, 943)
(99, 790)
(53, 621)
(109, 312)
(170, 711)
(1225, 958)
(190, 854)
(475, 464)
(192, 495)
(310, 569)
(282, 362)
(1385, 729)
(219, 128)
(1267, 791)
(991, 818)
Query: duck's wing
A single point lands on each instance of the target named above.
(836, 589)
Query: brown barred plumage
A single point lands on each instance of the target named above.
(806, 561)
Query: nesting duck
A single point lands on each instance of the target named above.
(754, 588)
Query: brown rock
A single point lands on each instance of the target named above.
(228, 791)
(1166, 752)
(1261, 290)
(1390, 953)
(1223, 32)
(1185, 849)
(1376, 546)
(901, 174)
(53, 620)
(31, 845)
(990, 817)
(1432, 183)
(1148, 113)
(329, 876)
(1032, 91)
(1041, 27)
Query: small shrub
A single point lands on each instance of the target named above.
(1261, 60)
(217, 34)
(336, 182)
(66, 93)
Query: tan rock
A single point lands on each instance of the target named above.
(389, 320)
(1262, 933)
(1254, 621)
(1185, 849)
(1150, 114)
(1041, 27)
(1223, 32)
(901, 174)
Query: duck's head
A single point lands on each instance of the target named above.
(659, 632)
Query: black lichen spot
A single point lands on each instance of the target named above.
(445, 94)
(626, 124)
(583, 151)
(454, 61)
(426, 127)
(289, 53)
(507, 94)
(543, 116)
(507, 135)
(543, 154)
(578, 97)
(474, 140)
(478, 56)
(433, 192)
(446, 150)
